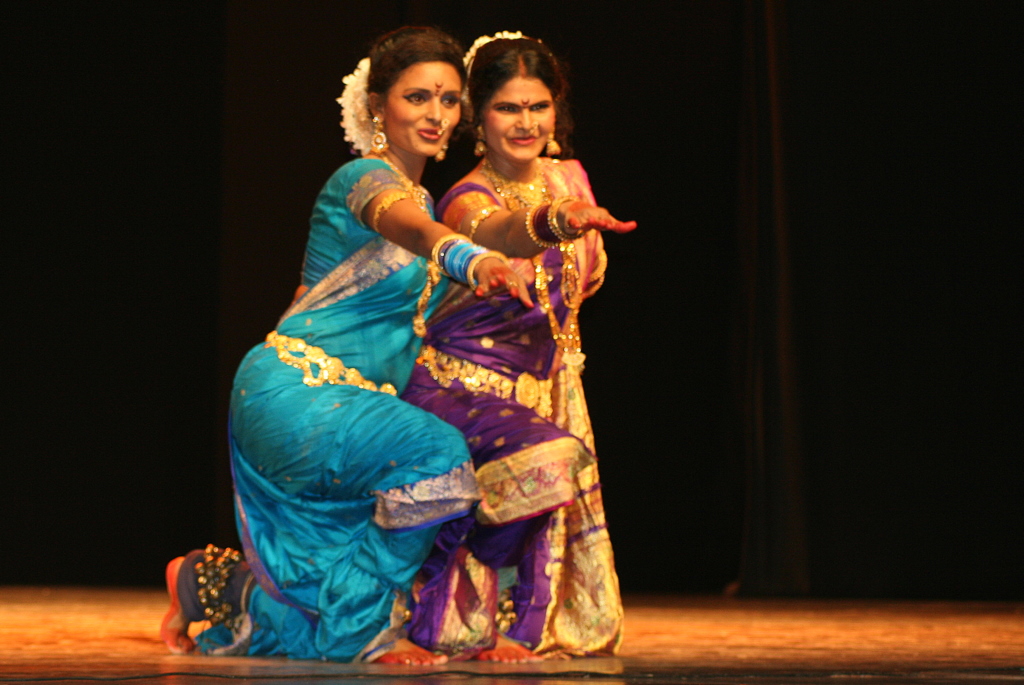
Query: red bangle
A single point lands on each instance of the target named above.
(542, 233)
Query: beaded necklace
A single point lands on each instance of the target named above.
(517, 195)
(418, 195)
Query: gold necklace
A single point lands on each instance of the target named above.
(566, 336)
(418, 195)
(517, 194)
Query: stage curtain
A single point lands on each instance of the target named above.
(765, 367)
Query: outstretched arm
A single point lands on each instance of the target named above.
(402, 222)
(508, 232)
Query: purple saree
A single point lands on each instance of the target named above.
(536, 563)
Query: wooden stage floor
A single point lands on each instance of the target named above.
(89, 634)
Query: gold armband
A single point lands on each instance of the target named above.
(475, 223)
(387, 203)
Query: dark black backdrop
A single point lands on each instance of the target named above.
(159, 165)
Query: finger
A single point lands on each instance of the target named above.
(524, 297)
(622, 226)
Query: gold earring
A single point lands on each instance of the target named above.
(379, 142)
(480, 149)
(552, 149)
(439, 157)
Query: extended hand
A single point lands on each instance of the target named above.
(581, 217)
(494, 275)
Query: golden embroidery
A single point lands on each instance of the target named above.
(531, 480)
(585, 615)
(526, 390)
(329, 369)
(468, 625)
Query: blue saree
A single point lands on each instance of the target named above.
(340, 487)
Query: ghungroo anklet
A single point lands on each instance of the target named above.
(213, 574)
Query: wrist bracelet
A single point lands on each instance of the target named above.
(537, 226)
(386, 204)
(553, 218)
(435, 252)
(456, 257)
(475, 261)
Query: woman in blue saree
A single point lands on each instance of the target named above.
(340, 486)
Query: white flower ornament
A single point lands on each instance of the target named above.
(484, 40)
(355, 108)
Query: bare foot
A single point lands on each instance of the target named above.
(405, 652)
(507, 651)
(174, 627)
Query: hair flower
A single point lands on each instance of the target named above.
(355, 108)
(484, 40)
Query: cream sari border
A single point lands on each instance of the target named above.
(533, 480)
(585, 615)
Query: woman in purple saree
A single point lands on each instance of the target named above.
(533, 572)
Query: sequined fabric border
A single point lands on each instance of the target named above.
(427, 501)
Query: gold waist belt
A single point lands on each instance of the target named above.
(329, 369)
(527, 390)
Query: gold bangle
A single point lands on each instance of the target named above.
(553, 217)
(386, 204)
(475, 261)
(435, 251)
(537, 240)
(475, 223)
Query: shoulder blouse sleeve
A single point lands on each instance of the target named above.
(567, 177)
(463, 201)
(377, 179)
